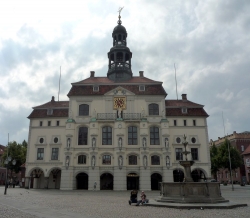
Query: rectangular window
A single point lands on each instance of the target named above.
(41, 123)
(49, 123)
(132, 135)
(236, 175)
(178, 154)
(81, 159)
(194, 153)
(175, 122)
(40, 153)
(132, 160)
(184, 122)
(154, 136)
(194, 122)
(106, 159)
(107, 135)
(57, 122)
(155, 160)
(54, 154)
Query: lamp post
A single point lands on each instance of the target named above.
(6, 162)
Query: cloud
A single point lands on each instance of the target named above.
(207, 40)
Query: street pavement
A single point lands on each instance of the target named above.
(37, 203)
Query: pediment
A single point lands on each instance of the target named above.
(119, 91)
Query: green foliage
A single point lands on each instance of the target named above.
(220, 158)
(214, 160)
(17, 152)
(223, 157)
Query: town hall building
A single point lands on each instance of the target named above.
(118, 132)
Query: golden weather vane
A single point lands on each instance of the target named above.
(120, 9)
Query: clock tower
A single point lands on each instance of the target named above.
(119, 68)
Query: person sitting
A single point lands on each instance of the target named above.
(133, 197)
(143, 200)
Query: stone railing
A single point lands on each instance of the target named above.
(113, 116)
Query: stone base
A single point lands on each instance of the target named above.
(190, 192)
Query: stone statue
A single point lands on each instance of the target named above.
(144, 143)
(142, 113)
(145, 161)
(94, 113)
(167, 161)
(120, 161)
(93, 161)
(67, 161)
(166, 143)
(68, 143)
(119, 113)
(120, 143)
(93, 143)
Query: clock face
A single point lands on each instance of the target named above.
(120, 102)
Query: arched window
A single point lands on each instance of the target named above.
(119, 56)
(155, 160)
(83, 136)
(106, 159)
(132, 160)
(82, 159)
(132, 135)
(83, 110)
(107, 135)
(154, 136)
(153, 109)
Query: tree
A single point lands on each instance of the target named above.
(17, 152)
(223, 157)
(214, 160)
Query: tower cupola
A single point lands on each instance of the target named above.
(119, 55)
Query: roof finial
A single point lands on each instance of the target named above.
(119, 21)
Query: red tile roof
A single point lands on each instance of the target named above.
(247, 151)
(181, 103)
(156, 89)
(190, 112)
(42, 113)
(107, 81)
(53, 104)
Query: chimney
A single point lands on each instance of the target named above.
(234, 132)
(53, 99)
(92, 73)
(141, 73)
(184, 97)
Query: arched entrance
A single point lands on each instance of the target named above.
(106, 181)
(198, 175)
(156, 178)
(82, 180)
(178, 175)
(132, 181)
(37, 180)
(54, 179)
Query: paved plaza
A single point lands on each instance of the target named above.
(35, 203)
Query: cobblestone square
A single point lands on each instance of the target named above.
(93, 204)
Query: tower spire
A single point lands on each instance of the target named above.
(119, 55)
(119, 17)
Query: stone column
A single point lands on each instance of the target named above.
(46, 182)
(120, 179)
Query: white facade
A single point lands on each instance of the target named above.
(115, 135)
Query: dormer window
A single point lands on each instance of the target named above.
(184, 110)
(96, 88)
(142, 88)
(49, 111)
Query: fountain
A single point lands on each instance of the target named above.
(189, 191)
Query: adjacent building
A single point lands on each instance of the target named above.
(240, 141)
(117, 132)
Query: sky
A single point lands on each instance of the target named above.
(207, 40)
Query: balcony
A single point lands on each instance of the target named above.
(113, 116)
